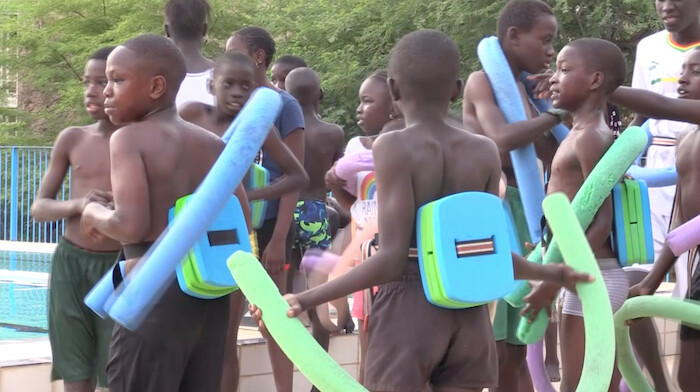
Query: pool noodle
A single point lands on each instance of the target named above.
(102, 294)
(155, 270)
(503, 84)
(646, 306)
(654, 177)
(599, 354)
(685, 237)
(595, 189)
(289, 333)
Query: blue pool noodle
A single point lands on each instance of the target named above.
(654, 177)
(141, 290)
(527, 173)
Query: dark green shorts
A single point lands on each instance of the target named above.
(79, 337)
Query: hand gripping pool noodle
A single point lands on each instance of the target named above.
(527, 173)
(646, 306)
(685, 237)
(588, 200)
(291, 335)
(560, 130)
(599, 357)
(157, 268)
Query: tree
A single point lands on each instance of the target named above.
(344, 40)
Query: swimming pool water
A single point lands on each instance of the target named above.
(23, 294)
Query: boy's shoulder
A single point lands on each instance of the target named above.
(72, 135)
(193, 110)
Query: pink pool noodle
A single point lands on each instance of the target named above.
(348, 166)
(684, 237)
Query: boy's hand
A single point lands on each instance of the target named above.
(274, 257)
(541, 297)
(96, 196)
(332, 180)
(569, 277)
(641, 289)
(87, 222)
(541, 89)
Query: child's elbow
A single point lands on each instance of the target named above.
(132, 233)
(303, 180)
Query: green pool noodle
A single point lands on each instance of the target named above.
(289, 333)
(646, 306)
(595, 189)
(599, 354)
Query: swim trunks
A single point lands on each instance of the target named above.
(179, 346)
(616, 283)
(312, 229)
(413, 343)
(79, 338)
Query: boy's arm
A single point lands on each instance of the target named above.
(274, 256)
(191, 111)
(45, 207)
(588, 152)
(294, 177)
(397, 213)
(491, 120)
(129, 221)
(654, 105)
(245, 206)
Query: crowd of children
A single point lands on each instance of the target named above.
(160, 108)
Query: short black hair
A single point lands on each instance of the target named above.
(102, 53)
(603, 56)
(233, 57)
(304, 84)
(522, 14)
(161, 56)
(426, 63)
(256, 38)
(292, 61)
(187, 19)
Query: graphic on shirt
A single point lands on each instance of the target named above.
(368, 189)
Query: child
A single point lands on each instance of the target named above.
(324, 144)
(186, 26)
(232, 84)
(157, 158)
(276, 236)
(79, 338)
(375, 114)
(282, 67)
(687, 205)
(411, 171)
(526, 29)
(588, 70)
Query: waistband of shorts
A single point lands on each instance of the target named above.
(663, 141)
(609, 263)
(69, 246)
(131, 251)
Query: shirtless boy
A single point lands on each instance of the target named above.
(526, 29)
(157, 158)
(79, 338)
(588, 70)
(410, 172)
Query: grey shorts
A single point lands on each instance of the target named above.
(615, 281)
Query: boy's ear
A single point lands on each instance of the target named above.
(597, 80)
(210, 86)
(158, 87)
(393, 90)
(458, 89)
(513, 35)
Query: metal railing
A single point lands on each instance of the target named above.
(21, 172)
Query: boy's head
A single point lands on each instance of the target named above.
(144, 74)
(689, 82)
(678, 15)
(95, 81)
(587, 67)
(233, 81)
(256, 42)
(303, 83)
(186, 20)
(526, 29)
(282, 67)
(424, 71)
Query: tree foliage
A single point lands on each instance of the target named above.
(48, 41)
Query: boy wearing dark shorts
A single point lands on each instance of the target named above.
(157, 159)
(413, 344)
(79, 338)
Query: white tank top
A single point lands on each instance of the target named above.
(194, 88)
